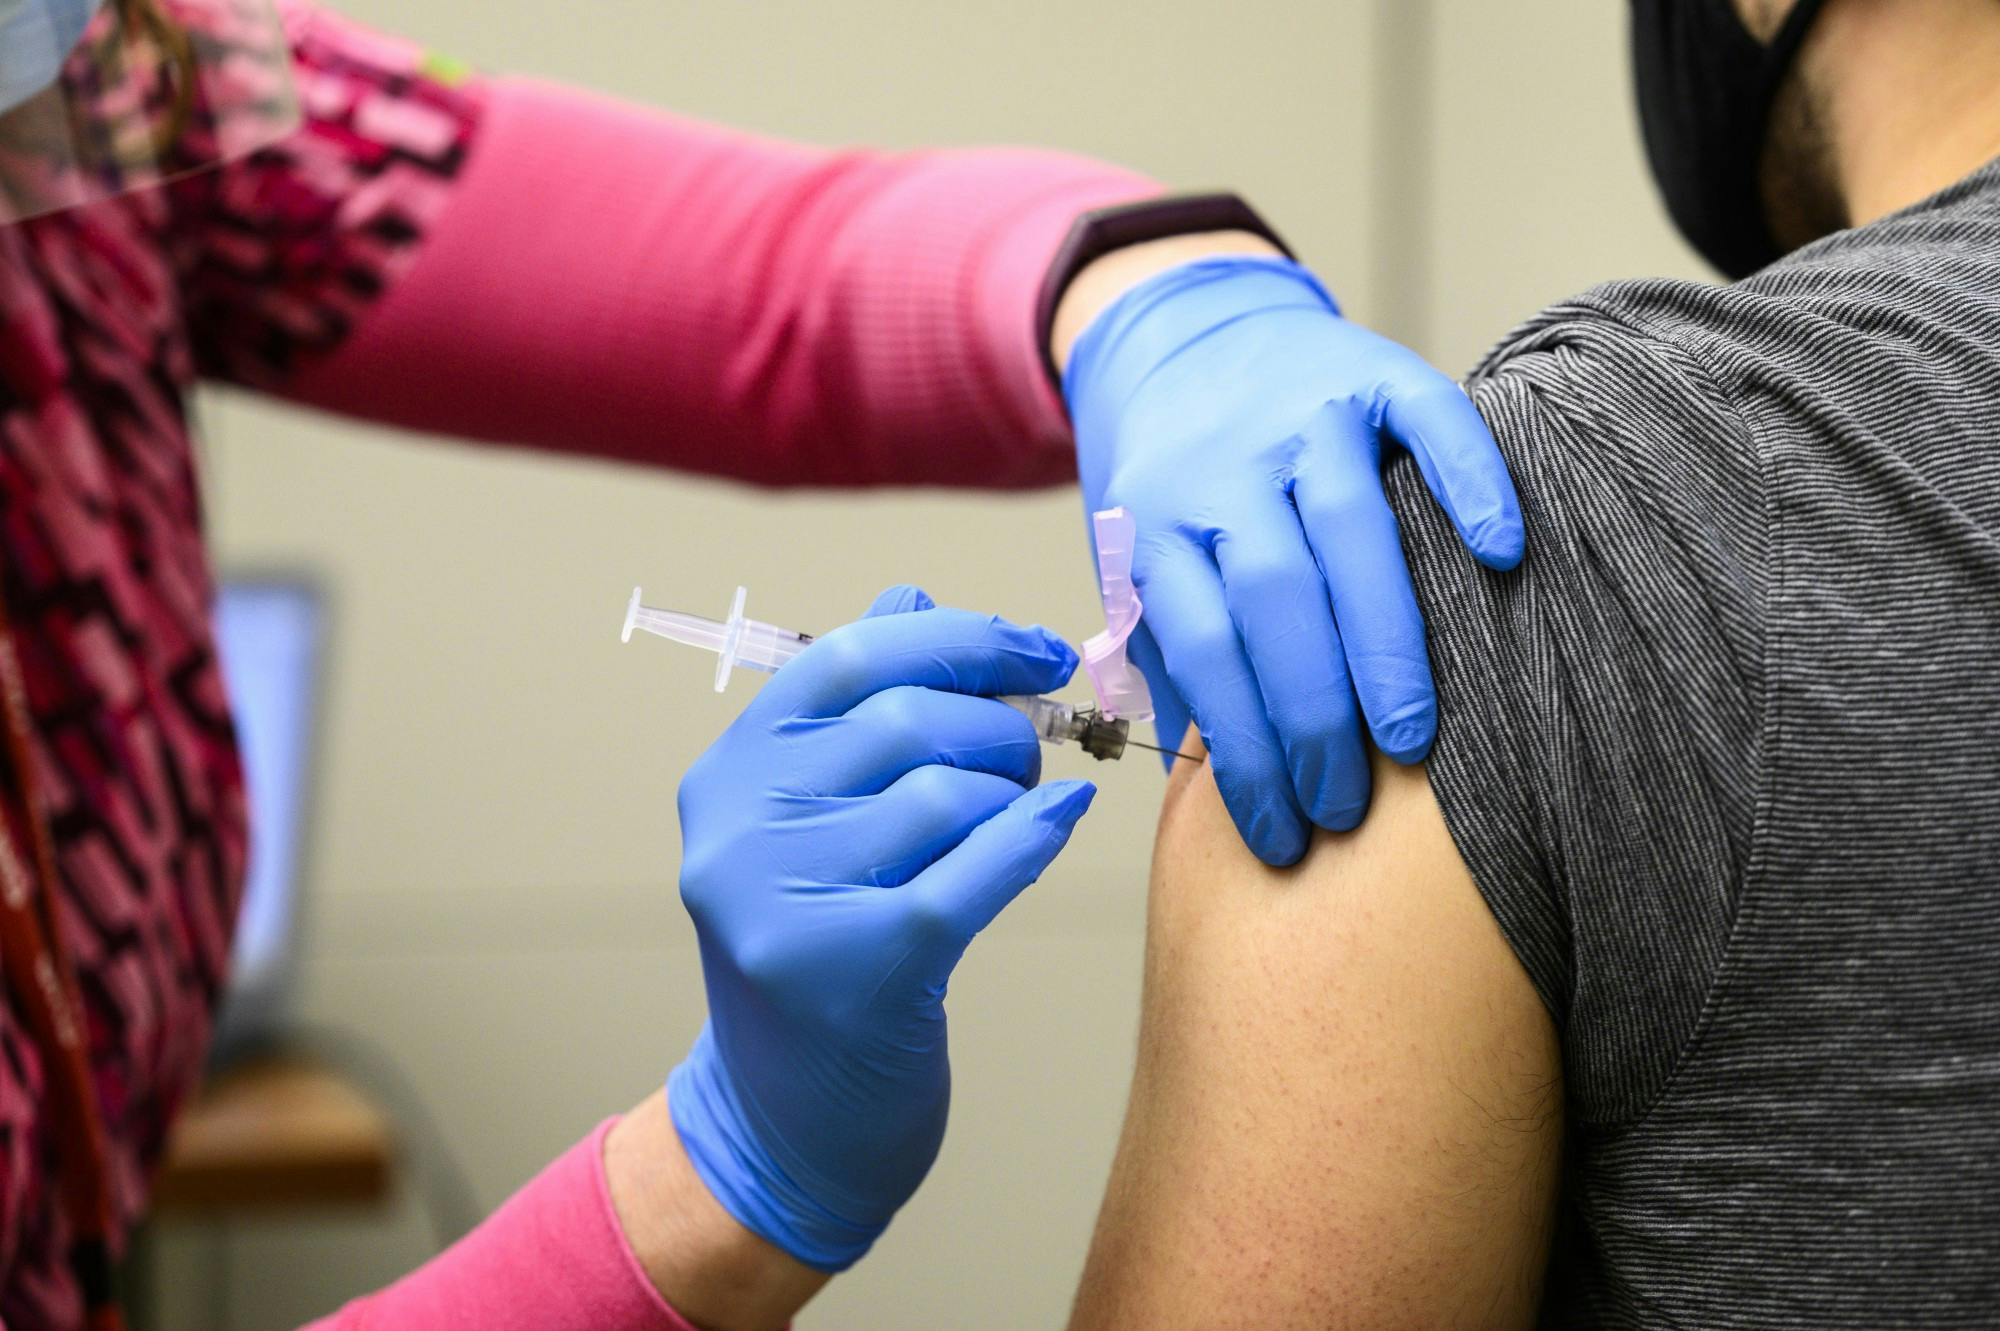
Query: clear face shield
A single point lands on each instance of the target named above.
(99, 97)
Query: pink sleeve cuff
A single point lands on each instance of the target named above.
(552, 1258)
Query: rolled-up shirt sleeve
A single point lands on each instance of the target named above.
(1601, 706)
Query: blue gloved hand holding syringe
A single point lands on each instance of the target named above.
(872, 809)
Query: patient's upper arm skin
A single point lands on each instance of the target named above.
(1347, 1106)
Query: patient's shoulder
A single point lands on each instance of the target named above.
(1347, 1106)
(1602, 707)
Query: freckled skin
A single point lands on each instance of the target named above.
(1347, 1108)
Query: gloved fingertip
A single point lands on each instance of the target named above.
(1339, 803)
(1344, 819)
(1495, 533)
(1407, 739)
(1280, 850)
(1059, 654)
(1277, 837)
(1069, 800)
(1409, 755)
(1405, 724)
(1500, 543)
(899, 600)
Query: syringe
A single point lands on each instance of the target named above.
(738, 641)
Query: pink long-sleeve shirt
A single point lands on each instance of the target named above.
(488, 258)
(551, 1259)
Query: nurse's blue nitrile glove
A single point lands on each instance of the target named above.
(868, 814)
(1227, 405)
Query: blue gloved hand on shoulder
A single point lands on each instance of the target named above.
(870, 812)
(1241, 420)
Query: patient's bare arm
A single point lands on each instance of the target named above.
(1347, 1110)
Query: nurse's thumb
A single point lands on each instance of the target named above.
(901, 599)
(973, 883)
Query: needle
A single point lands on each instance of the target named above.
(1191, 757)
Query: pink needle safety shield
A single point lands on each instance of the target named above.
(1121, 689)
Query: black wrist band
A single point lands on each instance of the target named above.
(1097, 233)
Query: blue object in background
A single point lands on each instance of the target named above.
(270, 634)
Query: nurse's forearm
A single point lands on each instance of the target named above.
(605, 279)
(583, 1246)
(1104, 280)
(716, 1274)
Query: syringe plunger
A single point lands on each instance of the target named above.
(736, 641)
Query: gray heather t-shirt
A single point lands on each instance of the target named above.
(1723, 756)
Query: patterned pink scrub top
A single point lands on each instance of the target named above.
(744, 307)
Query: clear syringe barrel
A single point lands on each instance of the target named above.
(738, 641)
(766, 646)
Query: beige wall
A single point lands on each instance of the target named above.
(495, 846)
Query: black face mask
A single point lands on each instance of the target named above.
(1706, 87)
